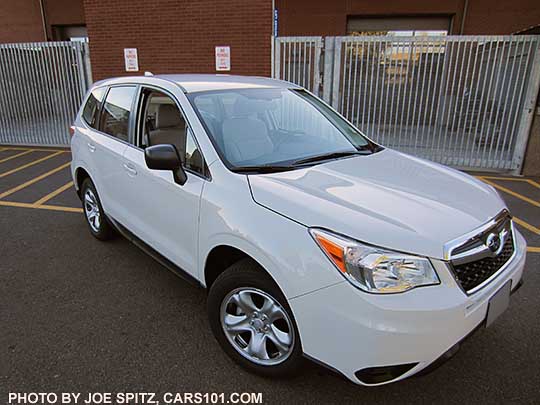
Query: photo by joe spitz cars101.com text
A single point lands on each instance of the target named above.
(311, 240)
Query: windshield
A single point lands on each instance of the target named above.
(275, 127)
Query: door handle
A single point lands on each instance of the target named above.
(92, 147)
(130, 169)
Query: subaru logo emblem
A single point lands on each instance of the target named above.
(493, 242)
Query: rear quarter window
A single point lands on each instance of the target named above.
(92, 106)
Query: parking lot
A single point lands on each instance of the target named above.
(79, 315)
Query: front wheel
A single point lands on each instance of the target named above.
(252, 321)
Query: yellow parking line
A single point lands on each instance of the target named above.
(502, 178)
(34, 180)
(512, 193)
(34, 162)
(54, 193)
(533, 183)
(526, 225)
(26, 152)
(40, 207)
(533, 249)
(37, 149)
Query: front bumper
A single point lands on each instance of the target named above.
(349, 330)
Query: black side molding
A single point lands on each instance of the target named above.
(377, 375)
(517, 287)
(325, 366)
(126, 233)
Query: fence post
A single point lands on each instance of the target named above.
(317, 66)
(87, 65)
(336, 72)
(328, 68)
(277, 59)
(528, 110)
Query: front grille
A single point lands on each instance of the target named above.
(472, 274)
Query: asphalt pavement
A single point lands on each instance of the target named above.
(79, 315)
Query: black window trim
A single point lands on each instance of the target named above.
(98, 110)
(137, 130)
(191, 99)
(130, 129)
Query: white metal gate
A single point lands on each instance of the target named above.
(297, 60)
(41, 87)
(466, 101)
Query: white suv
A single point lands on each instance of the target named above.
(312, 240)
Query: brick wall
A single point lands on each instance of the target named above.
(501, 17)
(174, 36)
(323, 17)
(20, 20)
(63, 12)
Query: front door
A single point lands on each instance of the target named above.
(164, 214)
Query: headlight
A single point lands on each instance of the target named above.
(373, 269)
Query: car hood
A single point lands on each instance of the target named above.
(387, 199)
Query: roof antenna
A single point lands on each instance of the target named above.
(148, 74)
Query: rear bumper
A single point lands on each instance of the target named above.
(351, 331)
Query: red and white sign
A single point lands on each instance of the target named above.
(131, 60)
(223, 58)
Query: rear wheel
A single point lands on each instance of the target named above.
(252, 321)
(93, 212)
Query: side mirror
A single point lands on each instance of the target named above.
(165, 157)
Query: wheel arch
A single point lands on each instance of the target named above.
(80, 174)
(222, 256)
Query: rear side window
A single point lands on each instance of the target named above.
(92, 106)
(114, 119)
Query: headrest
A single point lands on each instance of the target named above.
(168, 116)
(239, 129)
(246, 106)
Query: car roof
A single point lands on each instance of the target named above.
(191, 83)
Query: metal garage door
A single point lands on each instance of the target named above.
(358, 25)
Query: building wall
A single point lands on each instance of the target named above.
(531, 166)
(501, 17)
(179, 36)
(63, 12)
(322, 17)
(21, 21)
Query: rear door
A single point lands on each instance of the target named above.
(108, 144)
(163, 213)
(83, 144)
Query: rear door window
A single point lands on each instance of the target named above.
(114, 119)
(92, 106)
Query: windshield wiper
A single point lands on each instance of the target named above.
(270, 168)
(262, 169)
(329, 156)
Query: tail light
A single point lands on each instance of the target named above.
(71, 130)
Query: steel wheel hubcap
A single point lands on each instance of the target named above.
(257, 326)
(91, 210)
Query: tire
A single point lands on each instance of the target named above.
(261, 338)
(98, 224)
